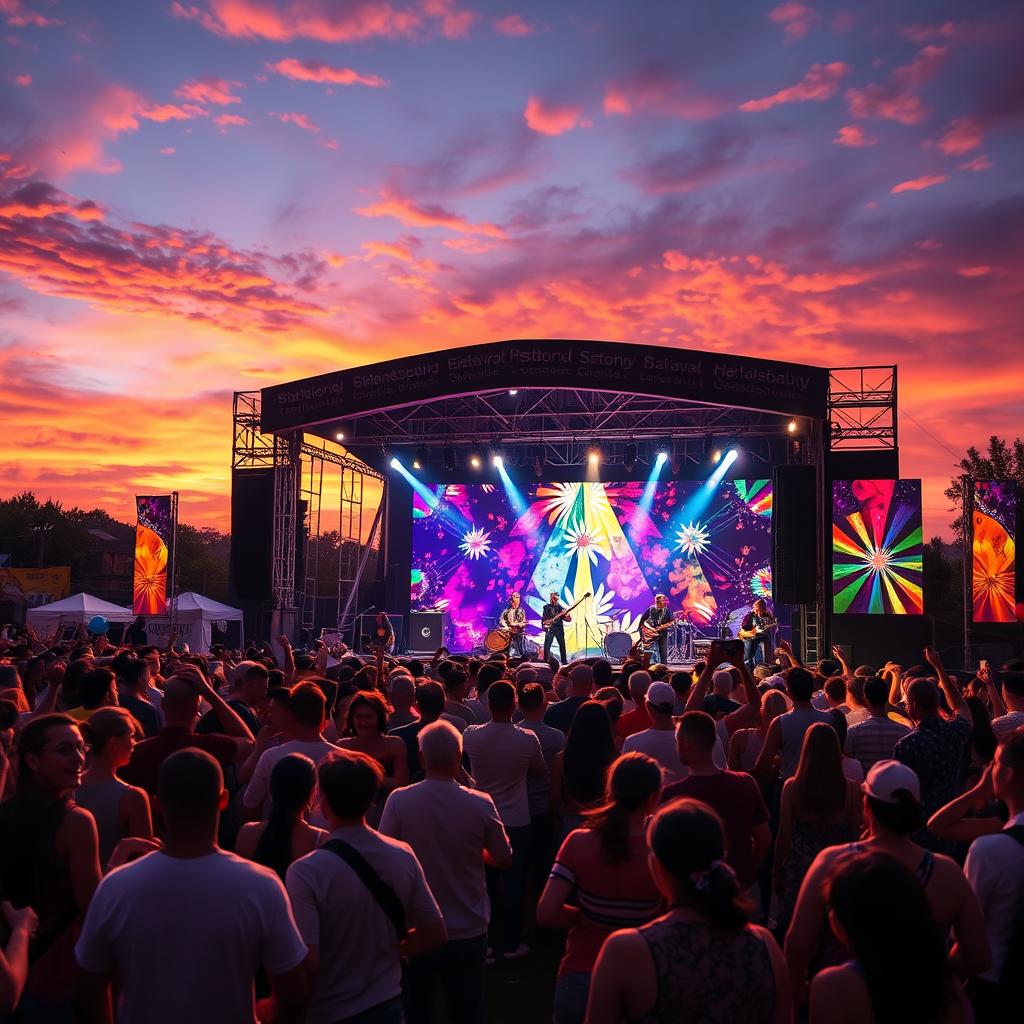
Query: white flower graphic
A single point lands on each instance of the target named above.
(587, 541)
(475, 543)
(693, 539)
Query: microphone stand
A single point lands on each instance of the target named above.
(586, 633)
(355, 625)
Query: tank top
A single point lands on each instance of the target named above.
(793, 725)
(103, 801)
(697, 965)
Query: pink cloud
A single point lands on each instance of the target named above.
(514, 25)
(796, 18)
(38, 199)
(854, 135)
(657, 89)
(919, 184)
(318, 71)
(425, 215)
(225, 120)
(820, 83)
(168, 151)
(299, 120)
(927, 33)
(979, 163)
(209, 90)
(285, 20)
(23, 80)
(19, 16)
(963, 135)
(897, 99)
(551, 118)
(162, 112)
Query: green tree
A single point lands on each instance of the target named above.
(1003, 460)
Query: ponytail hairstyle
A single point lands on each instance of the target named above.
(632, 780)
(901, 955)
(108, 724)
(687, 838)
(291, 785)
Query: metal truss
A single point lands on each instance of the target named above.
(862, 407)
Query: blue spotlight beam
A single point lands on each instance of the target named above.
(647, 498)
(698, 504)
(443, 510)
(515, 496)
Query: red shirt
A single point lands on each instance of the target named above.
(736, 798)
(144, 767)
(633, 721)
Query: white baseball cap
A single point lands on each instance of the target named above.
(661, 695)
(886, 778)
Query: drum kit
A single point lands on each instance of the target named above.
(497, 641)
(685, 642)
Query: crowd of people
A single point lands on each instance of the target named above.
(236, 837)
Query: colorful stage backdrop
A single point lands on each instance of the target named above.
(877, 547)
(154, 537)
(708, 551)
(993, 546)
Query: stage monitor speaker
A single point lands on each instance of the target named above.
(252, 529)
(426, 631)
(794, 535)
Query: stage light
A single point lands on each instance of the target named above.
(716, 456)
(629, 457)
(498, 461)
(593, 458)
(791, 426)
(643, 507)
(513, 391)
(538, 463)
(395, 464)
(474, 461)
(340, 435)
(515, 496)
(416, 464)
(661, 459)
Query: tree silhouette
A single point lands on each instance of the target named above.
(1002, 461)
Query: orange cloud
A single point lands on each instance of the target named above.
(318, 71)
(225, 120)
(210, 90)
(285, 20)
(963, 135)
(820, 83)
(854, 135)
(919, 184)
(302, 121)
(37, 199)
(425, 215)
(658, 89)
(796, 18)
(897, 99)
(551, 118)
(514, 25)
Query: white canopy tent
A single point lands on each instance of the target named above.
(194, 618)
(73, 610)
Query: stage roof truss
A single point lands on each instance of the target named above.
(862, 407)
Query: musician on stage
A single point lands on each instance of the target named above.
(756, 631)
(657, 615)
(556, 631)
(383, 635)
(513, 618)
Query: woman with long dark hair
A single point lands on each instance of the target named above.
(702, 960)
(49, 856)
(982, 743)
(892, 814)
(285, 835)
(899, 969)
(820, 807)
(602, 869)
(368, 733)
(579, 771)
(120, 810)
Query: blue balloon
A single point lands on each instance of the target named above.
(98, 625)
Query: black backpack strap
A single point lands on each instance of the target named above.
(385, 896)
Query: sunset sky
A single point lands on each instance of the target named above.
(205, 196)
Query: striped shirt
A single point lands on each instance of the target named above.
(610, 896)
(874, 740)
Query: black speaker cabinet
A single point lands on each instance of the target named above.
(426, 631)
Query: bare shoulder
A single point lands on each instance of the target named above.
(838, 994)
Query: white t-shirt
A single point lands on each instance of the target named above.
(500, 757)
(661, 745)
(186, 937)
(448, 828)
(358, 945)
(1005, 724)
(257, 793)
(995, 869)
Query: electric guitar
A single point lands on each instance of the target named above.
(756, 634)
(648, 633)
(548, 623)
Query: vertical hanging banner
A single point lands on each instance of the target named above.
(993, 550)
(877, 547)
(154, 539)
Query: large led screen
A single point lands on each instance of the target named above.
(993, 526)
(154, 537)
(877, 547)
(707, 549)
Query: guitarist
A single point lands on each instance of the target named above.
(513, 619)
(755, 631)
(658, 615)
(556, 631)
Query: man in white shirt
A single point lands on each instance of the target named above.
(659, 741)
(995, 869)
(453, 831)
(305, 716)
(356, 934)
(183, 931)
(1013, 698)
(501, 757)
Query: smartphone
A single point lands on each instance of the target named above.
(730, 649)
(983, 664)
